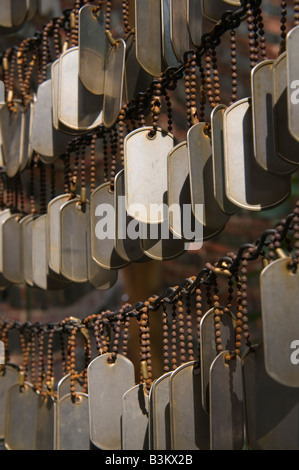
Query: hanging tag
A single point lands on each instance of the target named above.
(293, 83)
(72, 423)
(134, 420)
(2, 94)
(2, 355)
(247, 185)
(54, 231)
(45, 424)
(263, 121)
(217, 124)
(8, 377)
(147, 156)
(12, 258)
(26, 249)
(189, 421)
(194, 20)
(167, 49)
(208, 347)
(27, 150)
(78, 109)
(280, 322)
(271, 408)
(159, 414)
(107, 383)
(12, 134)
(136, 78)
(64, 386)
(4, 215)
(286, 146)
(227, 418)
(214, 9)
(93, 49)
(149, 36)
(179, 31)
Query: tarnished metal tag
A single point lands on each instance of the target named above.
(159, 414)
(134, 420)
(72, 423)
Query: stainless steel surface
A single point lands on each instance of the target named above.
(72, 424)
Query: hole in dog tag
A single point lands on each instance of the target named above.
(227, 418)
(8, 377)
(149, 36)
(287, 146)
(201, 178)
(64, 386)
(280, 321)
(114, 83)
(217, 124)
(159, 408)
(103, 229)
(45, 424)
(26, 249)
(167, 49)
(78, 109)
(12, 134)
(214, 9)
(147, 156)
(93, 49)
(263, 120)
(136, 78)
(12, 265)
(54, 231)
(293, 82)
(134, 420)
(107, 383)
(72, 423)
(271, 409)
(189, 421)
(159, 243)
(208, 347)
(179, 31)
(247, 185)
(194, 20)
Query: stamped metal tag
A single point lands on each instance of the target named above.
(134, 420)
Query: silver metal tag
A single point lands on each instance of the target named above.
(12, 123)
(26, 249)
(179, 31)
(45, 424)
(167, 49)
(194, 20)
(159, 414)
(134, 420)
(54, 231)
(2, 354)
(64, 386)
(12, 257)
(292, 78)
(8, 377)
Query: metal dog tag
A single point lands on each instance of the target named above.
(12, 258)
(159, 414)
(167, 49)
(64, 386)
(208, 347)
(45, 424)
(214, 9)
(149, 32)
(134, 420)
(2, 356)
(12, 137)
(107, 383)
(160, 244)
(4, 215)
(93, 49)
(8, 377)
(136, 78)
(72, 423)
(293, 81)
(227, 418)
(280, 321)
(179, 31)
(263, 120)
(26, 248)
(271, 408)
(194, 20)
(247, 185)
(78, 109)
(54, 231)
(147, 155)
(27, 151)
(102, 219)
(189, 421)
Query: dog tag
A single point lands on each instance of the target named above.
(4, 215)
(147, 156)
(189, 421)
(2, 355)
(78, 109)
(12, 138)
(72, 423)
(103, 229)
(208, 347)
(159, 414)
(45, 424)
(201, 178)
(214, 9)
(54, 231)
(45, 139)
(107, 383)
(27, 151)
(148, 23)
(13, 13)
(160, 244)
(287, 147)
(271, 408)
(217, 123)
(247, 185)
(93, 49)
(114, 83)
(194, 20)
(12, 265)
(227, 418)
(134, 420)
(280, 321)
(64, 386)
(26, 249)
(263, 121)
(293, 82)
(179, 31)
(136, 78)
(8, 377)
(167, 49)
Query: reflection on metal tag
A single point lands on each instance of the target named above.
(45, 424)
(271, 408)
(78, 109)
(134, 420)
(194, 20)
(72, 423)
(2, 355)
(12, 137)
(247, 185)
(13, 13)
(217, 124)
(208, 346)
(293, 82)
(147, 156)
(2, 93)
(214, 9)
(4, 215)
(8, 377)
(136, 78)
(12, 264)
(287, 146)
(280, 322)
(189, 421)
(179, 31)
(107, 383)
(26, 249)
(93, 49)
(159, 243)
(263, 120)
(227, 418)
(32, 9)
(167, 49)
(64, 386)
(159, 414)
(149, 36)
(54, 231)
(114, 83)
(103, 229)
